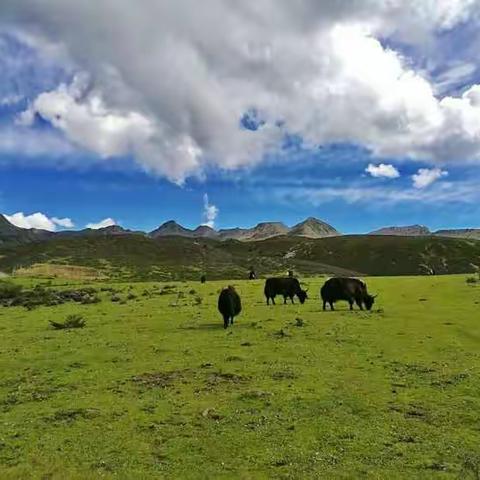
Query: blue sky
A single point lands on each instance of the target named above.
(387, 132)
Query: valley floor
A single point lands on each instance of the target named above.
(153, 387)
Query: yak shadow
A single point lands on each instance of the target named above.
(209, 326)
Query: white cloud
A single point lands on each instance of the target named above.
(106, 222)
(63, 222)
(89, 123)
(10, 100)
(378, 197)
(174, 95)
(425, 177)
(453, 76)
(38, 220)
(382, 171)
(210, 212)
(31, 143)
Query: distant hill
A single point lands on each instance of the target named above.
(234, 233)
(171, 228)
(97, 232)
(170, 258)
(313, 228)
(473, 233)
(410, 230)
(261, 231)
(11, 234)
(416, 230)
(204, 231)
(267, 230)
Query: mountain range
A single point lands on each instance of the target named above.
(312, 228)
(422, 230)
(174, 252)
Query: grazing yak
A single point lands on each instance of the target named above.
(288, 287)
(229, 305)
(349, 289)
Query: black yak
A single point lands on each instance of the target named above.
(348, 289)
(229, 305)
(288, 287)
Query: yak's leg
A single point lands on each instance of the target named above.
(358, 301)
(324, 305)
(331, 305)
(231, 320)
(225, 321)
(284, 299)
(351, 304)
(291, 298)
(273, 300)
(268, 300)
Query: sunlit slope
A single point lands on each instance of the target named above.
(135, 256)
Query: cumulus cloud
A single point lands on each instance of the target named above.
(88, 123)
(210, 212)
(382, 171)
(106, 222)
(174, 95)
(39, 220)
(31, 143)
(425, 177)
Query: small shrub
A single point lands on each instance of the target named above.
(131, 296)
(299, 322)
(471, 280)
(167, 290)
(115, 298)
(470, 467)
(198, 300)
(9, 290)
(192, 292)
(107, 289)
(89, 299)
(72, 321)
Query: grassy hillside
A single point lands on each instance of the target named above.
(154, 388)
(170, 258)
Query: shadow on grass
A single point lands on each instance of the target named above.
(205, 326)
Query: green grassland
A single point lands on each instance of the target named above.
(153, 387)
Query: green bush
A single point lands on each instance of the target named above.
(9, 290)
(72, 321)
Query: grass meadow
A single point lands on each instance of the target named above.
(153, 387)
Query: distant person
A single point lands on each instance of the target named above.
(290, 273)
(203, 278)
(252, 275)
